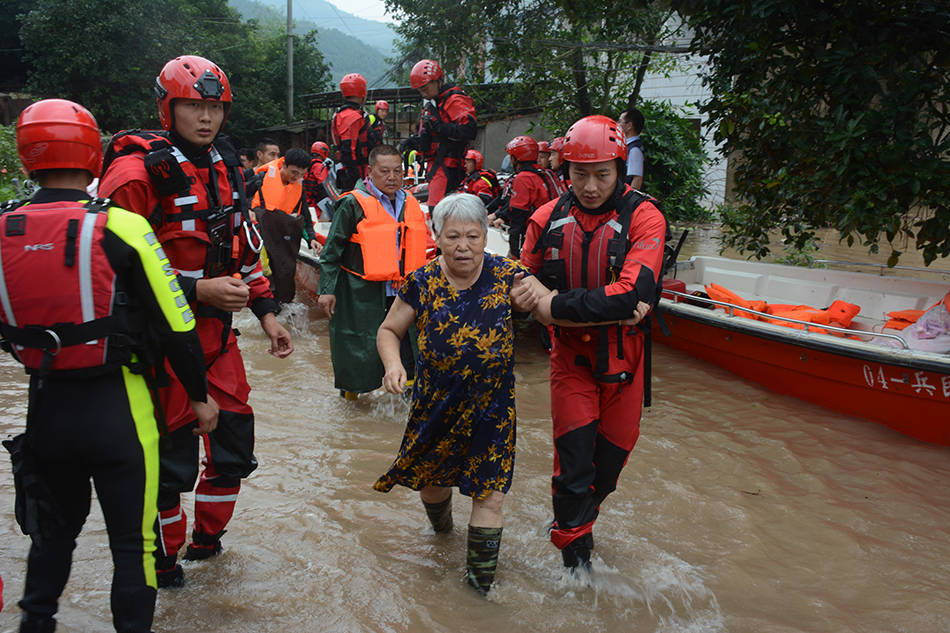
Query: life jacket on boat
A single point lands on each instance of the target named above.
(481, 181)
(211, 214)
(390, 249)
(839, 313)
(62, 307)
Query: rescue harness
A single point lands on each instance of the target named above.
(554, 273)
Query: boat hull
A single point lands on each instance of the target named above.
(307, 277)
(910, 397)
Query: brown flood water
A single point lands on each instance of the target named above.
(740, 510)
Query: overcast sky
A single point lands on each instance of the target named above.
(369, 9)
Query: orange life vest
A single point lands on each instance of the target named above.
(390, 249)
(839, 313)
(274, 194)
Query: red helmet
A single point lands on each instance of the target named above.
(424, 72)
(353, 85)
(320, 149)
(594, 139)
(523, 149)
(476, 156)
(190, 77)
(58, 134)
(544, 147)
(382, 105)
(557, 145)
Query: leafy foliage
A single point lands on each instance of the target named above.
(105, 54)
(839, 114)
(9, 163)
(562, 54)
(674, 162)
(559, 53)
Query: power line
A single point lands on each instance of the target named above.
(603, 46)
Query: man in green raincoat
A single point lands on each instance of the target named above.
(379, 235)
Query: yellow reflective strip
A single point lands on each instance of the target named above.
(135, 231)
(143, 413)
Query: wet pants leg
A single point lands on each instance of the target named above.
(443, 181)
(177, 474)
(102, 428)
(282, 233)
(229, 449)
(517, 226)
(229, 457)
(596, 425)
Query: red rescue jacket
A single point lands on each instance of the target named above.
(72, 319)
(350, 132)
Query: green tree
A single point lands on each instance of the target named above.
(260, 88)
(839, 115)
(574, 58)
(675, 159)
(106, 54)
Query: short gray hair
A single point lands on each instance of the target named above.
(463, 207)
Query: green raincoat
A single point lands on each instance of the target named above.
(360, 304)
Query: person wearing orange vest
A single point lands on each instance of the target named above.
(378, 236)
(89, 335)
(281, 209)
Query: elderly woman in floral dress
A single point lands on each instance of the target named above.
(461, 428)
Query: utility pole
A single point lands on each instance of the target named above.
(289, 113)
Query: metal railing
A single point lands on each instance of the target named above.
(731, 308)
(881, 267)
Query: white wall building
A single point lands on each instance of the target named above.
(685, 88)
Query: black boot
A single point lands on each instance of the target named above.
(576, 554)
(203, 546)
(482, 559)
(440, 515)
(168, 573)
(37, 623)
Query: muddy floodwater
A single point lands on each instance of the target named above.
(740, 510)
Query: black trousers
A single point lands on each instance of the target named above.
(281, 233)
(101, 429)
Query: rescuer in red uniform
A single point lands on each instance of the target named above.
(447, 126)
(601, 247)
(478, 181)
(89, 334)
(531, 187)
(188, 182)
(351, 132)
(317, 175)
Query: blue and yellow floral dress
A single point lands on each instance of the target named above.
(461, 429)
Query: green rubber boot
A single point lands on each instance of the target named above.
(440, 515)
(483, 544)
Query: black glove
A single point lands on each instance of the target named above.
(431, 121)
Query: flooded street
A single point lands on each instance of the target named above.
(740, 510)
